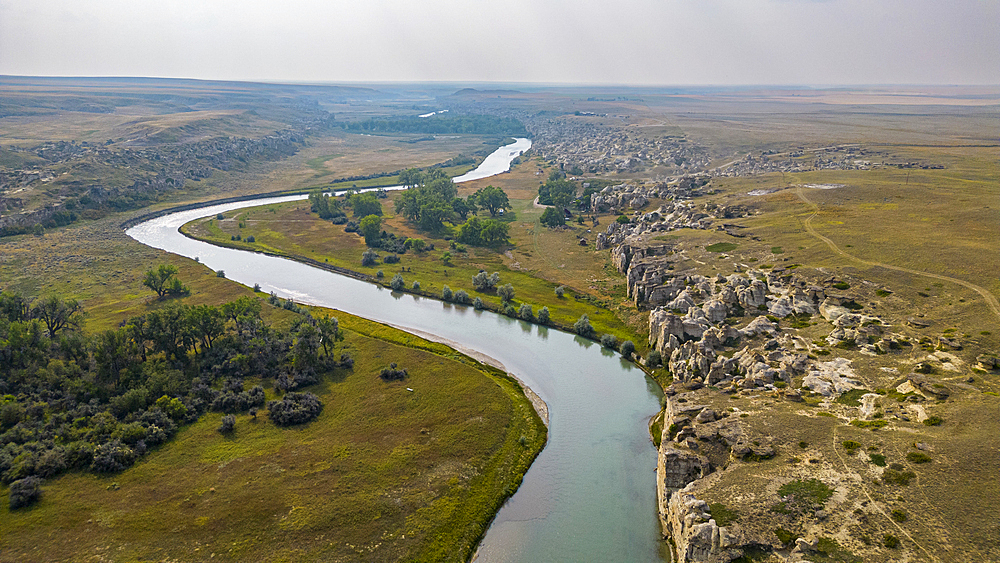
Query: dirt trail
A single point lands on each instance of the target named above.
(991, 300)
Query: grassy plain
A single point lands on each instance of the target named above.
(553, 258)
(380, 463)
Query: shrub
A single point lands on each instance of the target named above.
(446, 293)
(397, 283)
(369, 257)
(392, 373)
(895, 475)
(461, 296)
(890, 541)
(250, 238)
(582, 326)
(842, 285)
(483, 282)
(524, 312)
(623, 219)
(220, 273)
(380, 274)
(851, 446)
(627, 348)
(24, 492)
(918, 457)
(811, 491)
(899, 515)
(391, 259)
(934, 421)
(220, 216)
(543, 316)
(416, 286)
(478, 303)
(877, 459)
(112, 457)
(784, 536)
(509, 310)
(560, 291)
(228, 423)
(506, 292)
(654, 359)
(294, 408)
(609, 341)
(722, 515)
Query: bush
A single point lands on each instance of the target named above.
(506, 292)
(24, 492)
(627, 348)
(895, 475)
(112, 457)
(228, 423)
(543, 316)
(654, 359)
(890, 541)
(582, 326)
(250, 238)
(851, 446)
(524, 312)
(933, 421)
(416, 286)
(397, 283)
(294, 408)
(392, 373)
(899, 515)
(483, 282)
(391, 259)
(623, 219)
(877, 459)
(478, 303)
(461, 296)
(560, 291)
(220, 273)
(369, 258)
(918, 457)
(446, 293)
(609, 341)
(380, 274)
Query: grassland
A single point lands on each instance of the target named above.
(383, 474)
(554, 258)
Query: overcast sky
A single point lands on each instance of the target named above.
(669, 42)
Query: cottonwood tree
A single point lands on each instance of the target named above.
(163, 282)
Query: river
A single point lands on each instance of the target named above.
(591, 494)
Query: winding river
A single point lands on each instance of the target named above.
(591, 494)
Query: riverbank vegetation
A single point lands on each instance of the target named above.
(447, 451)
(291, 230)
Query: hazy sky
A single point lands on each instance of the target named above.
(583, 41)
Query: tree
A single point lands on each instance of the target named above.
(397, 283)
(369, 257)
(492, 199)
(371, 228)
(57, 314)
(582, 326)
(461, 207)
(627, 348)
(329, 332)
(484, 282)
(524, 312)
(506, 292)
(553, 217)
(207, 324)
(543, 316)
(366, 204)
(162, 281)
(410, 177)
